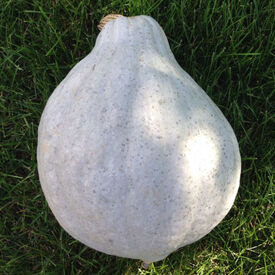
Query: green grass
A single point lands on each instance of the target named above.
(228, 47)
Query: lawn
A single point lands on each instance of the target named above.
(228, 47)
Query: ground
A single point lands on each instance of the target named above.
(226, 46)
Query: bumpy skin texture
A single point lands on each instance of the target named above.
(134, 158)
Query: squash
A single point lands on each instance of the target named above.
(134, 159)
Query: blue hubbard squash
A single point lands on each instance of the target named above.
(134, 159)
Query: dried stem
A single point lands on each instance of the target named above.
(106, 19)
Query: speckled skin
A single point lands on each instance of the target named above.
(134, 158)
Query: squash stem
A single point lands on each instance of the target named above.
(106, 19)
